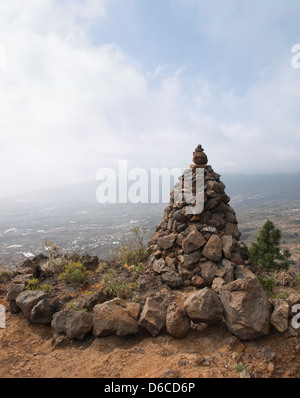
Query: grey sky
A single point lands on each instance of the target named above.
(87, 83)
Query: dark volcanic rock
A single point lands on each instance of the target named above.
(204, 306)
(116, 317)
(246, 308)
(75, 324)
(177, 321)
(27, 299)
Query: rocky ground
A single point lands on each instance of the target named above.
(33, 350)
(191, 304)
(29, 351)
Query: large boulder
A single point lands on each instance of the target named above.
(232, 229)
(29, 265)
(208, 271)
(44, 310)
(53, 266)
(190, 260)
(27, 299)
(180, 216)
(177, 321)
(280, 315)
(199, 158)
(217, 284)
(37, 306)
(193, 242)
(246, 308)
(241, 271)
(158, 265)
(226, 270)
(172, 279)
(165, 242)
(204, 306)
(89, 301)
(153, 316)
(116, 317)
(293, 299)
(228, 244)
(213, 249)
(74, 324)
(14, 290)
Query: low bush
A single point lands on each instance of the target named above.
(74, 273)
(73, 305)
(268, 282)
(135, 251)
(5, 276)
(296, 281)
(116, 287)
(34, 284)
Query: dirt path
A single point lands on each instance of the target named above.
(28, 351)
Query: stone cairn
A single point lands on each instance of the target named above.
(202, 249)
(202, 252)
(197, 257)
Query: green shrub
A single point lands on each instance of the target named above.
(5, 276)
(296, 281)
(239, 367)
(34, 284)
(281, 295)
(73, 305)
(45, 287)
(116, 287)
(135, 251)
(103, 266)
(268, 283)
(74, 273)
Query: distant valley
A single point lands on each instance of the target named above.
(71, 217)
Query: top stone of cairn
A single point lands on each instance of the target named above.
(199, 157)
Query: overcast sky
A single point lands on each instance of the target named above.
(86, 83)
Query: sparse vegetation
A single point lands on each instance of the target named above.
(74, 273)
(280, 295)
(117, 287)
(34, 284)
(136, 251)
(5, 276)
(103, 266)
(52, 249)
(73, 305)
(239, 367)
(268, 282)
(120, 279)
(296, 281)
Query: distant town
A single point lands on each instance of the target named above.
(89, 229)
(72, 219)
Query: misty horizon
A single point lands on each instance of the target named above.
(86, 83)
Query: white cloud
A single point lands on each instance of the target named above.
(69, 107)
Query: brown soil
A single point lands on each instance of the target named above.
(32, 351)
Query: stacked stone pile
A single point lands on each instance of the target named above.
(199, 249)
(198, 272)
